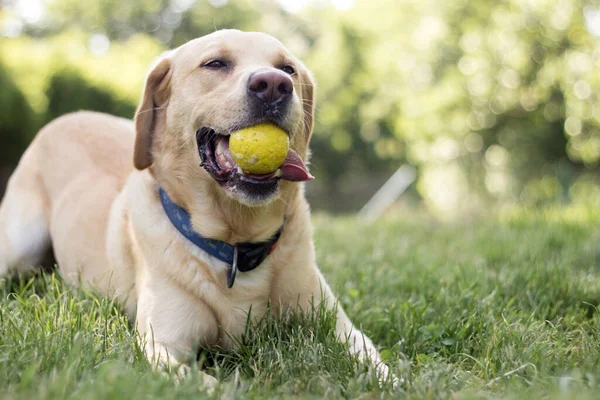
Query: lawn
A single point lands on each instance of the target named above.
(503, 306)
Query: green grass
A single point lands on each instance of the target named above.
(498, 308)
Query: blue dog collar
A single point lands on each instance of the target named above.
(242, 256)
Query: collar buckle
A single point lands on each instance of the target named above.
(232, 271)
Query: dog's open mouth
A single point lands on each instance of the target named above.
(216, 159)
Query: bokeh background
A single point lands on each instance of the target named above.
(493, 102)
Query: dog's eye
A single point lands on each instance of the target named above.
(215, 64)
(288, 69)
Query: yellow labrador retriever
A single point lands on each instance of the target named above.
(186, 240)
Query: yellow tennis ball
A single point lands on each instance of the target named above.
(259, 149)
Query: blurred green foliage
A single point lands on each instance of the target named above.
(17, 120)
(490, 100)
(68, 91)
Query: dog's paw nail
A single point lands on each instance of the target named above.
(209, 383)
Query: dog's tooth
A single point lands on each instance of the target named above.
(220, 147)
(228, 164)
(278, 173)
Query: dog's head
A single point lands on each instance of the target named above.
(199, 93)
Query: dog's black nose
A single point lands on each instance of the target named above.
(271, 86)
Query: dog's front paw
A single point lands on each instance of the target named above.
(386, 377)
(208, 383)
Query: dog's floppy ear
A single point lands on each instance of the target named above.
(156, 95)
(308, 100)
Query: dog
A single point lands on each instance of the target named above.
(187, 242)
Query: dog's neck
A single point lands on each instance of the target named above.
(217, 216)
(242, 257)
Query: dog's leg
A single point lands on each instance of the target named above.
(359, 343)
(309, 289)
(173, 328)
(24, 235)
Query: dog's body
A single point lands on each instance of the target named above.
(75, 189)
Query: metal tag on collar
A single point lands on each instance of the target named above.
(233, 268)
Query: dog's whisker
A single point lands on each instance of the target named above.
(150, 110)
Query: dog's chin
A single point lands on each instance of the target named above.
(252, 194)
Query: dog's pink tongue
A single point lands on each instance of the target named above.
(293, 168)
